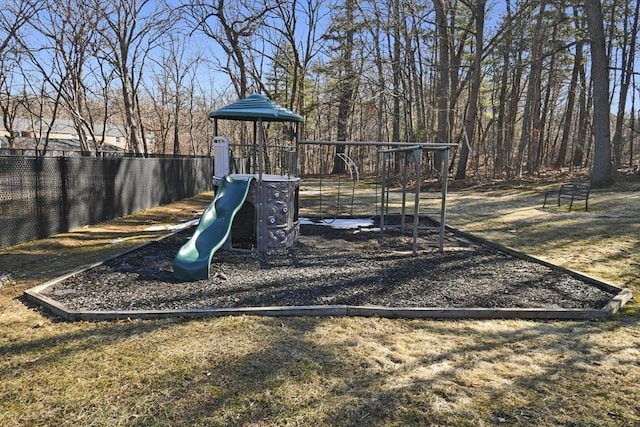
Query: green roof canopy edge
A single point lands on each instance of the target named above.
(256, 107)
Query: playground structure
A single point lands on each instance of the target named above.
(257, 210)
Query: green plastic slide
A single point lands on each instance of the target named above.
(193, 260)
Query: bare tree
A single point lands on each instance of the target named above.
(530, 118)
(13, 17)
(233, 26)
(158, 89)
(571, 95)
(628, 58)
(199, 129)
(506, 53)
(297, 45)
(69, 47)
(443, 85)
(581, 141)
(602, 174)
(10, 101)
(345, 72)
(478, 8)
(42, 108)
(175, 64)
(130, 30)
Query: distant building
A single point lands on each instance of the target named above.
(63, 135)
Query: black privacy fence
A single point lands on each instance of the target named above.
(42, 196)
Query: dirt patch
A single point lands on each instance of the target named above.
(330, 266)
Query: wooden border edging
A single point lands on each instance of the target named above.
(343, 310)
(621, 297)
(617, 302)
(513, 252)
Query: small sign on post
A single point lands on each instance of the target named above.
(221, 156)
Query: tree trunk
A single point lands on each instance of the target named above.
(472, 112)
(632, 129)
(628, 59)
(580, 140)
(346, 87)
(501, 155)
(510, 131)
(532, 101)
(443, 88)
(415, 63)
(571, 100)
(602, 174)
(395, 71)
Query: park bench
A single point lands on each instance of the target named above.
(571, 192)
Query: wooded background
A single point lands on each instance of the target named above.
(520, 86)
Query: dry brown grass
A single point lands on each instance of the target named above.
(255, 371)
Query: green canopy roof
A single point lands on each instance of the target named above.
(256, 107)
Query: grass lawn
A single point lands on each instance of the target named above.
(259, 371)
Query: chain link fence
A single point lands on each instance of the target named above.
(42, 196)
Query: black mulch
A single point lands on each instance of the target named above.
(332, 267)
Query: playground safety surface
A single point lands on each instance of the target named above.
(336, 272)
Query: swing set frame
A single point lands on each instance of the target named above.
(415, 150)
